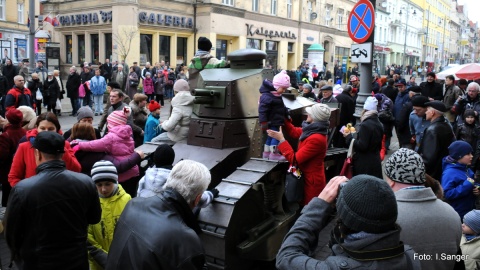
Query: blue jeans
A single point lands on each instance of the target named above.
(272, 141)
(98, 103)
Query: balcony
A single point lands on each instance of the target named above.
(396, 23)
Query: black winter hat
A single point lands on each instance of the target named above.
(204, 44)
(366, 203)
(469, 112)
(419, 101)
(163, 155)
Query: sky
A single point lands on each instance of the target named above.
(472, 8)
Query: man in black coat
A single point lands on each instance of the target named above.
(347, 110)
(436, 139)
(107, 70)
(402, 120)
(34, 85)
(73, 83)
(52, 92)
(161, 232)
(431, 89)
(390, 90)
(47, 215)
(9, 71)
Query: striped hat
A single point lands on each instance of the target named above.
(117, 118)
(104, 170)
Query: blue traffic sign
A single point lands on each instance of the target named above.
(361, 22)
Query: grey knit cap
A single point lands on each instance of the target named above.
(472, 220)
(84, 112)
(366, 203)
(405, 166)
(319, 112)
(104, 170)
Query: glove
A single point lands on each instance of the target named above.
(215, 192)
(413, 140)
(264, 126)
(76, 148)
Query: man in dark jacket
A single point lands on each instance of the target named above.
(47, 215)
(9, 71)
(73, 83)
(36, 84)
(52, 91)
(469, 101)
(161, 232)
(366, 236)
(390, 90)
(346, 114)
(432, 89)
(3, 92)
(120, 76)
(436, 139)
(107, 70)
(402, 120)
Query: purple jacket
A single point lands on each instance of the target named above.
(270, 107)
(148, 86)
(119, 143)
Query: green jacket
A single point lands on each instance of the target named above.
(100, 235)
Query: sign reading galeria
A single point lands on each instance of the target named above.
(165, 19)
(252, 31)
(85, 18)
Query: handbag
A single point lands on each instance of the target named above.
(347, 168)
(58, 105)
(38, 94)
(133, 83)
(294, 183)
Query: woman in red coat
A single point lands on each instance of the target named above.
(312, 148)
(24, 165)
(12, 133)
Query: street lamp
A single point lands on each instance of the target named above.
(406, 29)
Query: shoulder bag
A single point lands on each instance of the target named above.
(294, 183)
(347, 169)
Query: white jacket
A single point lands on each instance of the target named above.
(178, 123)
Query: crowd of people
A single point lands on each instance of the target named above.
(78, 199)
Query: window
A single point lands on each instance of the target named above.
(81, 48)
(228, 2)
(20, 17)
(68, 49)
(289, 9)
(310, 10)
(272, 54)
(2, 9)
(328, 16)
(274, 7)
(221, 49)
(181, 50)
(254, 43)
(290, 47)
(340, 13)
(165, 48)
(145, 49)
(255, 5)
(305, 50)
(108, 46)
(95, 44)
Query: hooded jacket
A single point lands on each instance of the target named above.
(24, 165)
(458, 191)
(472, 249)
(152, 128)
(148, 86)
(178, 123)
(118, 135)
(100, 235)
(152, 183)
(270, 107)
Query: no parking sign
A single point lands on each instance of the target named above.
(361, 22)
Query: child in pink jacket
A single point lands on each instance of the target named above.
(148, 87)
(118, 142)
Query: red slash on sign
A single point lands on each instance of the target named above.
(361, 21)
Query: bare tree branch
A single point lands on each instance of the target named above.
(123, 38)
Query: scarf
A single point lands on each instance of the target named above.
(367, 114)
(470, 237)
(200, 53)
(314, 128)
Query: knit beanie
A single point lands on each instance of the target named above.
(163, 155)
(148, 74)
(14, 117)
(370, 104)
(458, 149)
(117, 118)
(181, 85)
(379, 97)
(204, 44)
(420, 101)
(366, 203)
(29, 116)
(308, 86)
(468, 113)
(472, 220)
(104, 170)
(84, 112)
(153, 106)
(405, 166)
(281, 80)
(319, 112)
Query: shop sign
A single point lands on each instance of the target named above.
(310, 38)
(86, 18)
(378, 48)
(251, 31)
(167, 20)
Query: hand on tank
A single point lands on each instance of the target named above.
(278, 135)
(330, 192)
(140, 153)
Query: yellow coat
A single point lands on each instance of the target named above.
(100, 235)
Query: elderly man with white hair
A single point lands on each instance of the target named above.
(120, 76)
(436, 139)
(469, 101)
(161, 232)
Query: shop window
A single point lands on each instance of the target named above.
(108, 46)
(145, 49)
(272, 54)
(228, 2)
(181, 50)
(81, 48)
(290, 47)
(68, 49)
(221, 49)
(254, 43)
(165, 48)
(2, 9)
(255, 5)
(94, 48)
(20, 16)
(20, 46)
